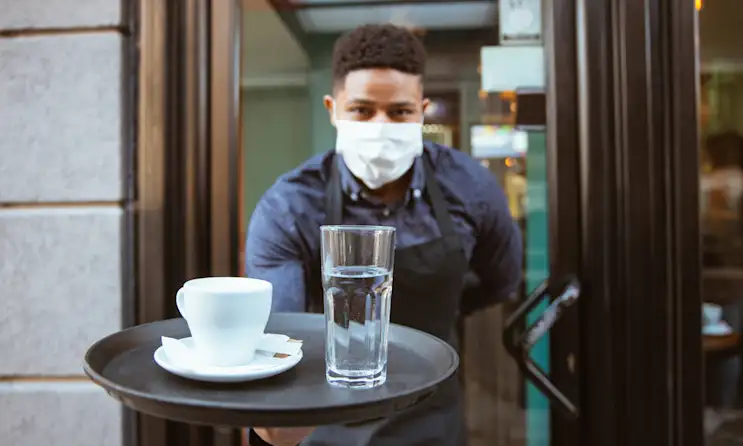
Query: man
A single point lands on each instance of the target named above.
(451, 216)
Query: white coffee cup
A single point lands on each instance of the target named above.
(711, 314)
(227, 317)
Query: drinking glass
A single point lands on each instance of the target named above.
(357, 266)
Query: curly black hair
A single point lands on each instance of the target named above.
(378, 46)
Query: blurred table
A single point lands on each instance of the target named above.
(720, 344)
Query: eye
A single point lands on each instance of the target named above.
(401, 113)
(361, 110)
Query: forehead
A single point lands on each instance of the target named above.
(382, 85)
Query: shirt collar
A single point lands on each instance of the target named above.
(352, 187)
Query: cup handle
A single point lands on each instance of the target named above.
(180, 302)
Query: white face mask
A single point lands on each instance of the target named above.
(378, 153)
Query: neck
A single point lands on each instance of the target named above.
(395, 191)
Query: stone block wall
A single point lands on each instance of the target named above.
(61, 241)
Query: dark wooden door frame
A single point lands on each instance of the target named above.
(130, 29)
(185, 217)
(623, 173)
(640, 235)
(563, 177)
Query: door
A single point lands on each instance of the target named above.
(620, 228)
(505, 126)
(540, 334)
(185, 170)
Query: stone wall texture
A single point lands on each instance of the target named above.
(60, 217)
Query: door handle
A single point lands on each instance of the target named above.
(519, 345)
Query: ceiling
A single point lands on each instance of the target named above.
(322, 16)
(276, 33)
(269, 48)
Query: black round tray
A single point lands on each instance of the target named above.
(123, 364)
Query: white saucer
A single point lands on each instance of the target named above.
(263, 366)
(719, 329)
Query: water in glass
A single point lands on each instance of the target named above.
(357, 308)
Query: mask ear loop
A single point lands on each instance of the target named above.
(423, 122)
(335, 120)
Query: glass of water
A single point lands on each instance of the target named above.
(357, 264)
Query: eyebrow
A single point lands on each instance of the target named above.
(370, 102)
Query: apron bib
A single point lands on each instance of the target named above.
(428, 280)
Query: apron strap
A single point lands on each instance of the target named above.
(438, 203)
(334, 195)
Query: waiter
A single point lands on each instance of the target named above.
(452, 220)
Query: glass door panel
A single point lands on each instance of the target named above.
(284, 89)
(721, 186)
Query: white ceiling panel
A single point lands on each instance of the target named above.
(429, 16)
(268, 48)
(341, 2)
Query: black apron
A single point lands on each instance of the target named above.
(427, 287)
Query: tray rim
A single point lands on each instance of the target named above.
(122, 393)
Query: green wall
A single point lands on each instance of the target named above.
(275, 138)
(320, 84)
(283, 126)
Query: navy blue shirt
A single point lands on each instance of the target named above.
(283, 242)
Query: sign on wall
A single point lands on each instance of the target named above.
(520, 22)
(510, 68)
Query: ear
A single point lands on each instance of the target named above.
(426, 102)
(327, 101)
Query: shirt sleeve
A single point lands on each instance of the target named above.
(497, 259)
(273, 253)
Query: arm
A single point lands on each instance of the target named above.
(497, 259)
(273, 253)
